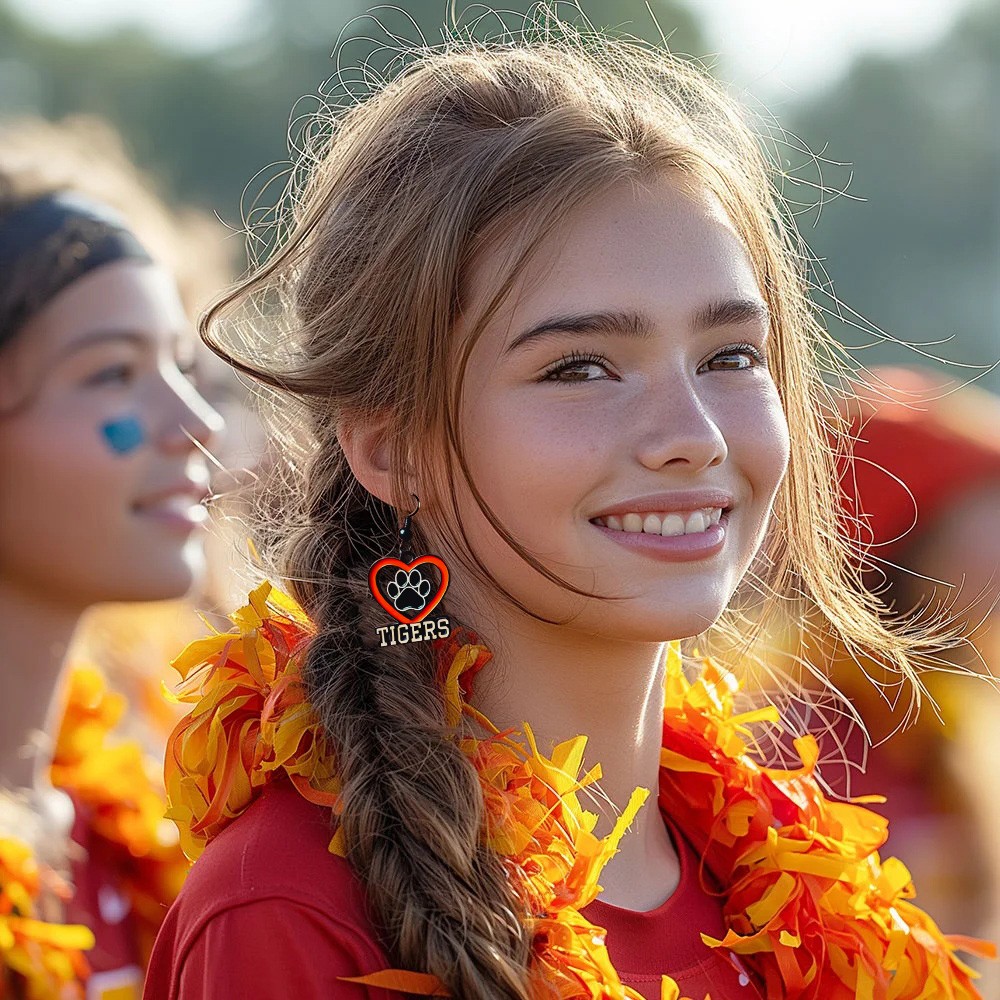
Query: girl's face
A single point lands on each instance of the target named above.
(683, 422)
(100, 493)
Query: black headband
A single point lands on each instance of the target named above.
(48, 244)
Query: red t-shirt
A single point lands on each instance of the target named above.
(268, 912)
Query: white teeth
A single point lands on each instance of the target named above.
(673, 524)
(668, 525)
(696, 522)
(651, 524)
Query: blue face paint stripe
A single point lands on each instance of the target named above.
(123, 435)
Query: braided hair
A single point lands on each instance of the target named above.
(412, 808)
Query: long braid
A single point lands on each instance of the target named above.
(412, 804)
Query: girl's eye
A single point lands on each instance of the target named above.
(571, 361)
(122, 374)
(736, 357)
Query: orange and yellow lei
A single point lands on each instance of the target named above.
(116, 783)
(808, 903)
(42, 960)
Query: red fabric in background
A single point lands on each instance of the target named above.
(267, 912)
(918, 446)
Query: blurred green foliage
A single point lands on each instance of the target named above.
(920, 256)
(913, 246)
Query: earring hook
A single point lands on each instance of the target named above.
(404, 533)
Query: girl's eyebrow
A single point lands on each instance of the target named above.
(96, 337)
(183, 341)
(103, 336)
(637, 325)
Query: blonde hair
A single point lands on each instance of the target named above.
(397, 197)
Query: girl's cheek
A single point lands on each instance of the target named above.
(756, 433)
(768, 449)
(122, 434)
(780, 437)
(86, 451)
(112, 421)
(774, 434)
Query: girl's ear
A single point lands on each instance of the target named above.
(366, 446)
(367, 452)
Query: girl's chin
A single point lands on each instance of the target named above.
(161, 578)
(653, 624)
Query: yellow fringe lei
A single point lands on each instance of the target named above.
(116, 783)
(807, 902)
(40, 959)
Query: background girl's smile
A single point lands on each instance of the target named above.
(181, 504)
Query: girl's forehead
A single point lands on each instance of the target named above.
(656, 247)
(124, 306)
(140, 299)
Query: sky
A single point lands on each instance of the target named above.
(775, 48)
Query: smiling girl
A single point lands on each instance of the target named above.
(100, 430)
(539, 297)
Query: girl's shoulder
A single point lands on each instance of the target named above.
(277, 848)
(269, 882)
(251, 783)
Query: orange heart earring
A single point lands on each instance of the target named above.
(408, 594)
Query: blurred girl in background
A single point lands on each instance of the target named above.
(102, 434)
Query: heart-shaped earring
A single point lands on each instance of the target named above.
(409, 594)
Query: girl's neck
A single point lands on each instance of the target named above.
(36, 631)
(611, 692)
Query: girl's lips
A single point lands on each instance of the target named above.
(678, 500)
(178, 506)
(675, 548)
(179, 512)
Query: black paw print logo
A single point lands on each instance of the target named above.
(408, 591)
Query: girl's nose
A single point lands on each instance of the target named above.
(190, 422)
(684, 433)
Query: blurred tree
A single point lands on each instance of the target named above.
(920, 255)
